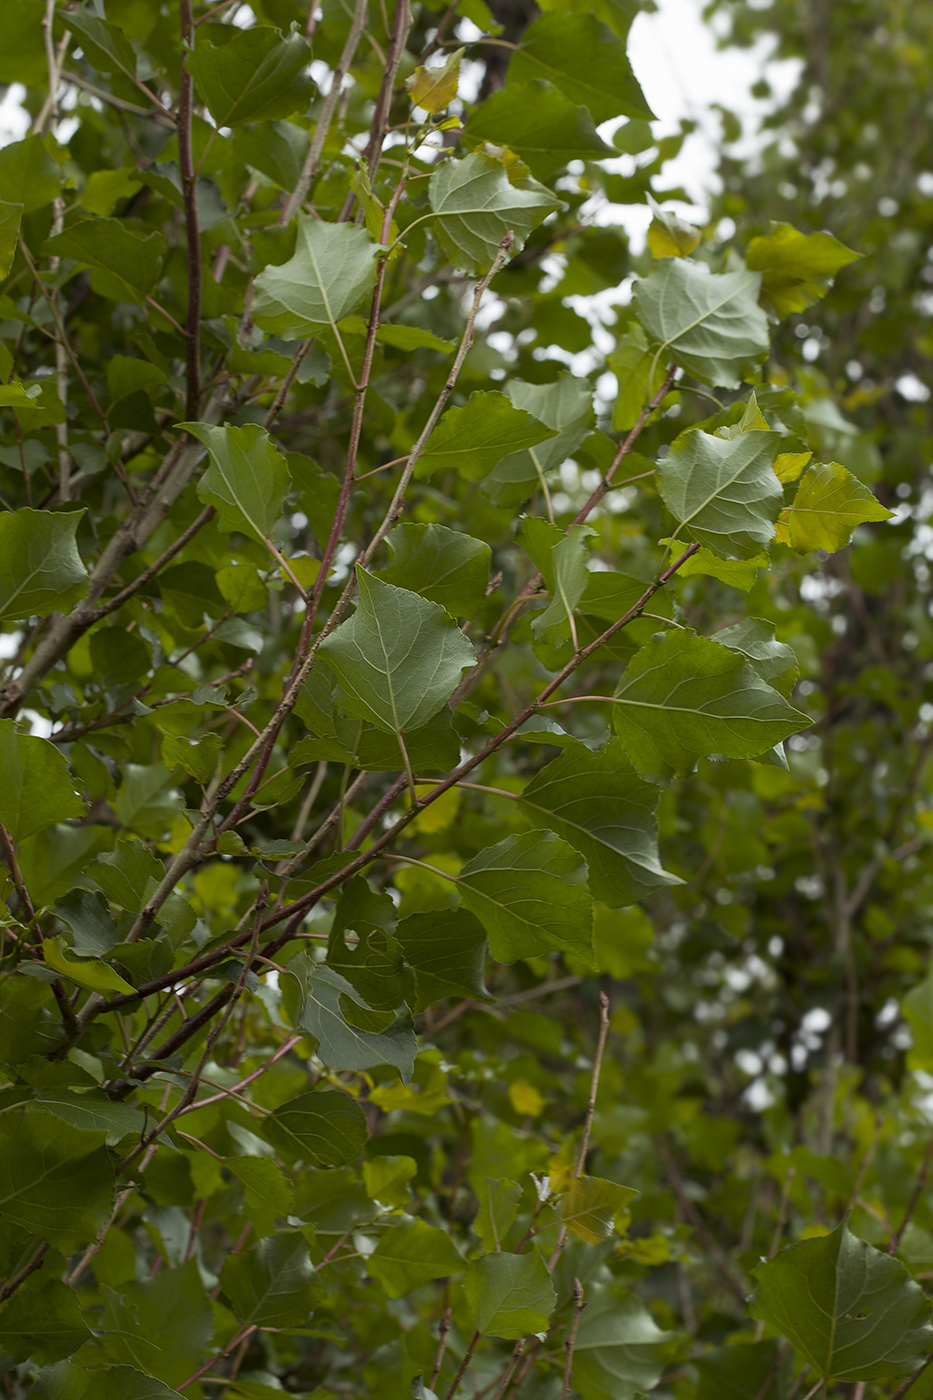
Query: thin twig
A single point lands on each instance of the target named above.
(894, 1243)
(192, 231)
(464, 1364)
(572, 1338)
(907, 1385)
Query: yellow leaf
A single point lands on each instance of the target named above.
(305, 568)
(789, 465)
(525, 1098)
(829, 503)
(668, 236)
(433, 89)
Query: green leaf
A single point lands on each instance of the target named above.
(510, 1295)
(796, 268)
(247, 480)
(105, 189)
(498, 1207)
(372, 961)
(10, 216)
(617, 1352)
(268, 1193)
(566, 578)
(476, 205)
(28, 174)
(22, 59)
(411, 1255)
(585, 61)
(917, 1010)
(332, 270)
(56, 1181)
(105, 46)
(774, 661)
(273, 1285)
(539, 124)
(829, 504)
(40, 567)
(398, 659)
(633, 363)
(126, 1383)
(683, 696)
(92, 975)
(668, 236)
(413, 338)
(37, 789)
(474, 439)
(446, 948)
(566, 406)
(42, 1322)
(850, 1312)
(254, 75)
(125, 266)
(598, 804)
(93, 931)
(433, 89)
(723, 494)
(275, 149)
(323, 999)
(93, 1111)
(325, 1127)
(710, 323)
(443, 565)
(746, 1371)
(737, 573)
(529, 893)
(387, 1179)
(589, 1207)
(240, 586)
(144, 1313)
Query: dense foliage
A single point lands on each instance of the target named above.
(423, 970)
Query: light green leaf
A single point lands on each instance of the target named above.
(850, 1311)
(476, 205)
(529, 892)
(128, 375)
(411, 1255)
(241, 587)
(28, 174)
(539, 124)
(796, 268)
(398, 659)
(40, 567)
(498, 1207)
(737, 573)
(789, 465)
(443, 565)
(124, 266)
(710, 323)
(617, 1352)
(37, 790)
(273, 1285)
(585, 61)
(473, 439)
(387, 1179)
(56, 1181)
(43, 1322)
(433, 89)
(566, 406)
(413, 338)
(91, 974)
(105, 189)
(723, 493)
(917, 1010)
(600, 806)
(589, 1207)
(247, 479)
(510, 1295)
(684, 696)
(321, 999)
(254, 75)
(325, 1127)
(446, 949)
(632, 363)
(10, 216)
(332, 269)
(668, 236)
(829, 503)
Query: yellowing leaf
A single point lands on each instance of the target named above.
(789, 465)
(797, 268)
(668, 236)
(525, 1098)
(829, 503)
(93, 975)
(434, 89)
(590, 1205)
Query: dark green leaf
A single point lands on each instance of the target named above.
(56, 1181)
(585, 60)
(40, 567)
(255, 75)
(43, 1322)
(510, 1295)
(564, 406)
(544, 128)
(28, 174)
(411, 1255)
(850, 1311)
(10, 216)
(124, 265)
(446, 948)
(476, 205)
(498, 1206)
(473, 439)
(617, 1352)
(322, 999)
(273, 1285)
(327, 1128)
(37, 789)
(449, 568)
(247, 479)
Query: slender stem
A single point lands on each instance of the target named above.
(908, 1384)
(561, 1242)
(572, 1338)
(9, 1288)
(464, 1364)
(192, 231)
(328, 108)
(894, 1243)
